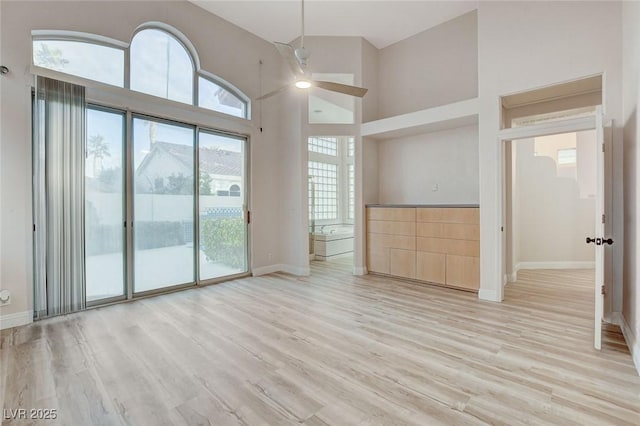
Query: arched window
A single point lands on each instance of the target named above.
(234, 190)
(161, 66)
(162, 63)
(84, 59)
(214, 96)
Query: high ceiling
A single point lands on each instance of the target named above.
(381, 22)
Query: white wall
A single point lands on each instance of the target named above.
(552, 216)
(525, 45)
(291, 196)
(631, 102)
(370, 80)
(435, 67)
(118, 20)
(366, 156)
(409, 167)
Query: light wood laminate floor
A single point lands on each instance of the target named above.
(328, 349)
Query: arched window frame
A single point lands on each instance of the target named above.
(198, 72)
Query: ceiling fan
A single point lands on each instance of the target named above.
(297, 61)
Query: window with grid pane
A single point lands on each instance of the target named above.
(324, 190)
(351, 147)
(351, 214)
(567, 156)
(324, 145)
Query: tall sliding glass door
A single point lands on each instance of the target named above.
(222, 195)
(163, 204)
(104, 205)
(187, 192)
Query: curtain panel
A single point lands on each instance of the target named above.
(58, 168)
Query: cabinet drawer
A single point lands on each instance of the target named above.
(430, 267)
(391, 227)
(456, 231)
(378, 260)
(389, 213)
(402, 263)
(463, 271)
(391, 241)
(447, 246)
(449, 215)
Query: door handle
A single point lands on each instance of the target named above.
(599, 241)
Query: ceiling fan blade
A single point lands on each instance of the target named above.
(340, 88)
(289, 55)
(275, 92)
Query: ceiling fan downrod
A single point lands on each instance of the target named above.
(301, 53)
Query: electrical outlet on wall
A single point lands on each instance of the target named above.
(434, 187)
(5, 297)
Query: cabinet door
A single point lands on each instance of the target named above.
(403, 214)
(454, 231)
(378, 259)
(389, 227)
(463, 272)
(448, 215)
(430, 267)
(448, 246)
(402, 263)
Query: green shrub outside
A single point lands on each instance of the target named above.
(223, 241)
(150, 235)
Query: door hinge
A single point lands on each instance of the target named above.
(602, 147)
(603, 218)
(603, 290)
(248, 216)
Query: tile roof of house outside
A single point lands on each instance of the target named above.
(212, 161)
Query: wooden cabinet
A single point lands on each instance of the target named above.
(391, 241)
(431, 267)
(402, 263)
(433, 244)
(463, 272)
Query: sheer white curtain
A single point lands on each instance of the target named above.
(58, 160)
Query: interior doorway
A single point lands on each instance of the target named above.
(602, 259)
(331, 198)
(550, 194)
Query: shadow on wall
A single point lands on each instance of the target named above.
(555, 212)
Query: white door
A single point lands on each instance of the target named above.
(599, 236)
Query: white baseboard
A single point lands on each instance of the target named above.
(360, 270)
(489, 295)
(512, 277)
(302, 271)
(264, 270)
(614, 318)
(15, 320)
(632, 342)
(556, 265)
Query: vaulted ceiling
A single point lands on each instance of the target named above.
(381, 22)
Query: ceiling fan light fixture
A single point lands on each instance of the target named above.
(297, 61)
(303, 84)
